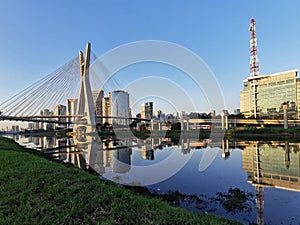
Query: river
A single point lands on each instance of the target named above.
(254, 182)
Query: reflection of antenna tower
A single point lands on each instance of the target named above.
(254, 67)
(259, 190)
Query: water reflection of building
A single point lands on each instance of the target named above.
(225, 149)
(275, 165)
(98, 155)
(147, 150)
(271, 165)
(120, 160)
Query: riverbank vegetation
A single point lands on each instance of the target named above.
(264, 133)
(239, 132)
(35, 190)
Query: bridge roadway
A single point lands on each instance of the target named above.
(38, 119)
(244, 121)
(234, 122)
(52, 118)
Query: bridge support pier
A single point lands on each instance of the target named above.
(187, 127)
(224, 121)
(225, 149)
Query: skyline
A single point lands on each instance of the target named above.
(40, 37)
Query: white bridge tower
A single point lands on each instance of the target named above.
(86, 121)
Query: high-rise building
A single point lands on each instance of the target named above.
(272, 91)
(98, 95)
(60, 110)
(158, 113)
(106, 109)
(147, 110)
(119, 101)
(46, 126)
(264, 95)
(71, 108)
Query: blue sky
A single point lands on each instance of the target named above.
(37, 36)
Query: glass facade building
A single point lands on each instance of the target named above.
(266, 94)
(119, 103)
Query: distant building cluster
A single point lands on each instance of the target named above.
(112, 109)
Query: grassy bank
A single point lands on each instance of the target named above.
(35, 190)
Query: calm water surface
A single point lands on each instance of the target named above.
(251, 181)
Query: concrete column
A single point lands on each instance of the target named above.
(223, 149)
(159, 125)
(187, 125)
(152, 124)
(222, 120)
(226, 122)
(182, 124)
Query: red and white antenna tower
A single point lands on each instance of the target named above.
(254, 69)
(254, 64)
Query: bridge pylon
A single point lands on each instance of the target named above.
(85, 106)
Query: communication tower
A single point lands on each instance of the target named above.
(254, 68)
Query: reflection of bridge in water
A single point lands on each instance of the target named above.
(274, 164)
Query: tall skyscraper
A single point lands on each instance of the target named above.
(147, 110)
(97, 98)
(106, 109)
(46, 126)
(71, 108)
(60, 110)
(119, 101)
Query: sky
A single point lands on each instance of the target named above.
(37, 37)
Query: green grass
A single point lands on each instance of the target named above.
(35, 190)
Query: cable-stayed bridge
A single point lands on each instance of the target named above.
(73, 80)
